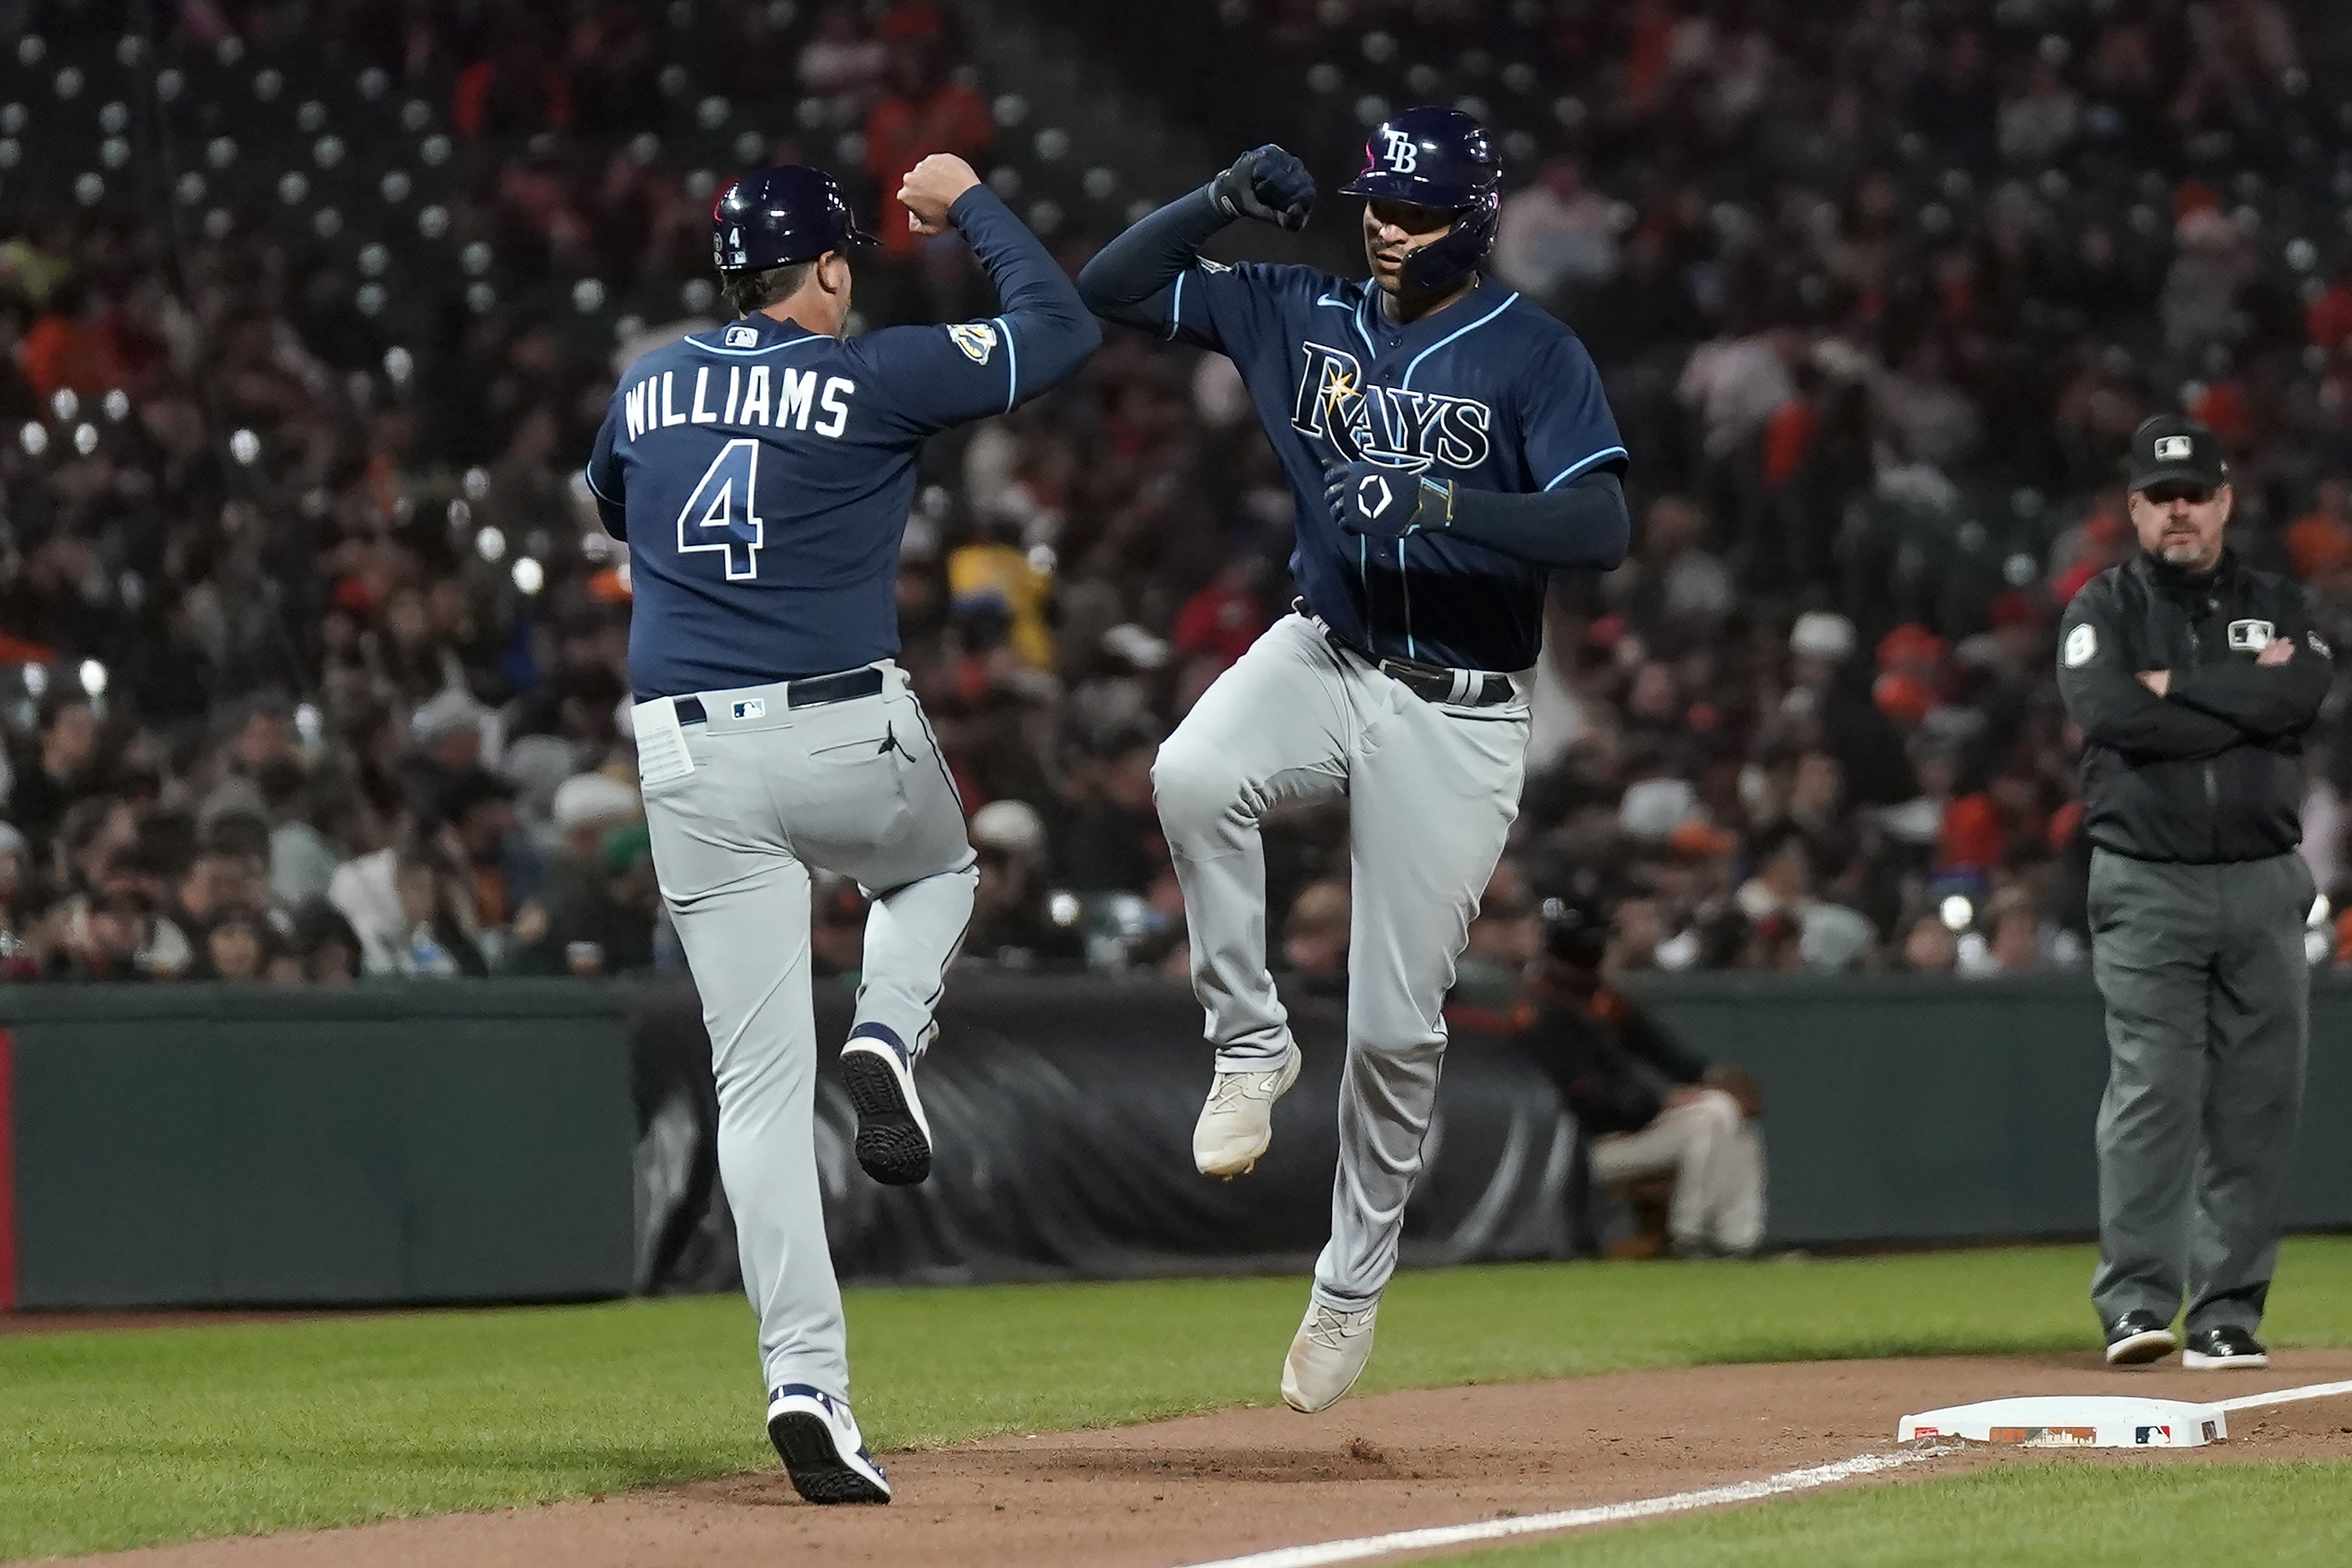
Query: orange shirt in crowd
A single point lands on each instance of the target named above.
(60, 351)
(900, 133)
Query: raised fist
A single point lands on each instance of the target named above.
(1268, 185)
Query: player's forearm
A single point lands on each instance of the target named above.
(1050, 330)
(1129, 273)
(1583, 524)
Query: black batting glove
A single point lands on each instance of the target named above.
(1387, 503)
(1268, 184)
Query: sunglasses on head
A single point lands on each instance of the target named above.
(2179, 489)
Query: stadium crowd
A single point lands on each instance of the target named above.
(315, 664)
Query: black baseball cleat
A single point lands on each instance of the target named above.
(894, 1139)
(2137, 1337)
(2227, 1346)
(818, 1440)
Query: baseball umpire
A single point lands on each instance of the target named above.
(1447, 446)
(761, 473)
(2193, 678)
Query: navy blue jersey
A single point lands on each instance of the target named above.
(761, 473)
(1490, 392)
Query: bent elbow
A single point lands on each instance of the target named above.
(1095, 289)
(1614, 539)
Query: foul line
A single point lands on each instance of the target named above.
(2286, 1396)
(1571, 1518)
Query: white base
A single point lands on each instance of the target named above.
(2075, 1421)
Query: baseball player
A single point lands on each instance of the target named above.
(761, 473)
(1448, 445)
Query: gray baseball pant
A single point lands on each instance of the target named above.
(856, 788)
(1432, 791)
(2209, 1024)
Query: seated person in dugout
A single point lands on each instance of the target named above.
(1648, 1104)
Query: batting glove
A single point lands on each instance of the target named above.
(1387, 503)
(1268, 185)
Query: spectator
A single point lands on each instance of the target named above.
(924, 112)
(1557, 236)
(1315, 938)
(239, 947)
(1928, 947)
(303, 859)
(1504, 937)
(66, 752)
(1014, 918)
(410, 909)
(324, 945)
(1111, 840)
(593, 916)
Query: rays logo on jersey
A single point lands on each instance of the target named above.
(977, 339)
(1389, 425)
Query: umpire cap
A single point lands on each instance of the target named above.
(1440, 158)
(2174, 448)
(774, 217)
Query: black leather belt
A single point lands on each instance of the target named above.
(814, 692)
(1430, 682)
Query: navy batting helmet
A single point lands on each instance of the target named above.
(774, 217)
(1439, 158)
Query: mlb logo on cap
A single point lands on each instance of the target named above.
(2174, 450)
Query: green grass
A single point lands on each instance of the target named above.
(2020, 1514)
(114, 1439)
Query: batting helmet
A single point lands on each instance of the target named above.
(1439, 158)
(774, 217)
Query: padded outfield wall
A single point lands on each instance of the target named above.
(547, 1141)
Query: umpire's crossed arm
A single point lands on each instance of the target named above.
(2190, 771)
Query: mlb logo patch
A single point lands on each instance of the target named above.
(977, 339)
(751, 708)
(741, 337)
(2250, 636)
(2173, 449)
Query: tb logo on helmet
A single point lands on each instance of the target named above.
(1403, 156)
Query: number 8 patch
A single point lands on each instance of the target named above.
(2082, 646)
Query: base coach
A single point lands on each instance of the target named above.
(2193, 678)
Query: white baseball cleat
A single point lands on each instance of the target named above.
(1327, 1357)
(1236, 1125)
(817, 1439)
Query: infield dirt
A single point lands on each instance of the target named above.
(1185, 1492)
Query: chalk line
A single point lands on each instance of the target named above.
(1571, 1518)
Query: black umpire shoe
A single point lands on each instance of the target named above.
(2137, 1337)
(2226, 1346)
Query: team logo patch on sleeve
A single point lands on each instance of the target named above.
(2082, 646)
(977, 339)
(2318, 645)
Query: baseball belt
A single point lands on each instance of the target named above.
(1430, 682)
(814, 692)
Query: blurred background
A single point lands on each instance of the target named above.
(311, 652)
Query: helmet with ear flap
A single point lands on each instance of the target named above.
(1436, 157)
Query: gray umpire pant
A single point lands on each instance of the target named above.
(2208, 1000)
(855, 788)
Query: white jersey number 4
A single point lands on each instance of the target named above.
(718, 517)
